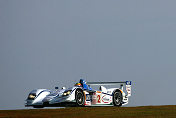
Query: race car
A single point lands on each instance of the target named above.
(81, 94)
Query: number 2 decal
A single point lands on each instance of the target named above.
(98, 99)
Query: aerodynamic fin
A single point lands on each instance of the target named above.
(105, 83)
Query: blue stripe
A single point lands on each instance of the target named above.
(41, 92)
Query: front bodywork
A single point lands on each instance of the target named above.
(36, 97)
(61, 96)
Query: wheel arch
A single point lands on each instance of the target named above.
(84, 96)
(117, 90)
(79, 89)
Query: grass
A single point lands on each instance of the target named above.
(94, 112)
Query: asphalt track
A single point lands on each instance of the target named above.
(168, 111)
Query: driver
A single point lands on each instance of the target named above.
(84, 85)
(78, 84)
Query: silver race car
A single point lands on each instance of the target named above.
(81, 95)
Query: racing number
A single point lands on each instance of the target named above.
(98, 99)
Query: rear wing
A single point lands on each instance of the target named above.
(127, 83)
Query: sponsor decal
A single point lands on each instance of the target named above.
(128, 88)
(105, 99)
(94, 99)
(98, 99)
(88, 98)
(128, 82)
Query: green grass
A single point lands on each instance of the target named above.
(95, 112)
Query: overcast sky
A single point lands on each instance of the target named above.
(51, 43)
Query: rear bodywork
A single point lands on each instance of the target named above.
(104, 96)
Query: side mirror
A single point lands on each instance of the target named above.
(56, 87)
(63, 88)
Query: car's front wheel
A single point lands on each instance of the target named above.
(117, 98)
(80, 99)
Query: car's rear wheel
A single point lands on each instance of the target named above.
(80, 99)
(117, 98)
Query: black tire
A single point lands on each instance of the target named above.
(117, 98)
(38, 106)
(80, 99)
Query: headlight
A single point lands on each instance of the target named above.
(66, 93)
(31, 96)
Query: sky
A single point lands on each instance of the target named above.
(48, 43)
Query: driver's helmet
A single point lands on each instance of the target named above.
(78, 84)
